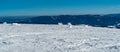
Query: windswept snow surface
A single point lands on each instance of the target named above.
(58, 38)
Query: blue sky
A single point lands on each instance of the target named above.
(58, 7)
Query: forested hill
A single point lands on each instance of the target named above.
(92, 20)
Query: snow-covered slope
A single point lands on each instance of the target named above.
(58, 38)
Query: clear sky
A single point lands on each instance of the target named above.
(58, 7)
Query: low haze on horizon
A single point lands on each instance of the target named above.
(58, 7)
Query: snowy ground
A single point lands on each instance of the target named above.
(54, 38)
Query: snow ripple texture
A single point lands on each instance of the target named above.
(56, 38)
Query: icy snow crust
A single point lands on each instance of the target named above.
(57, 38)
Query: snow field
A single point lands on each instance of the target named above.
(55, 38)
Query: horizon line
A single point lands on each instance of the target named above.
(58, 14)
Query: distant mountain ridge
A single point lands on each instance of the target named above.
(92, 20)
